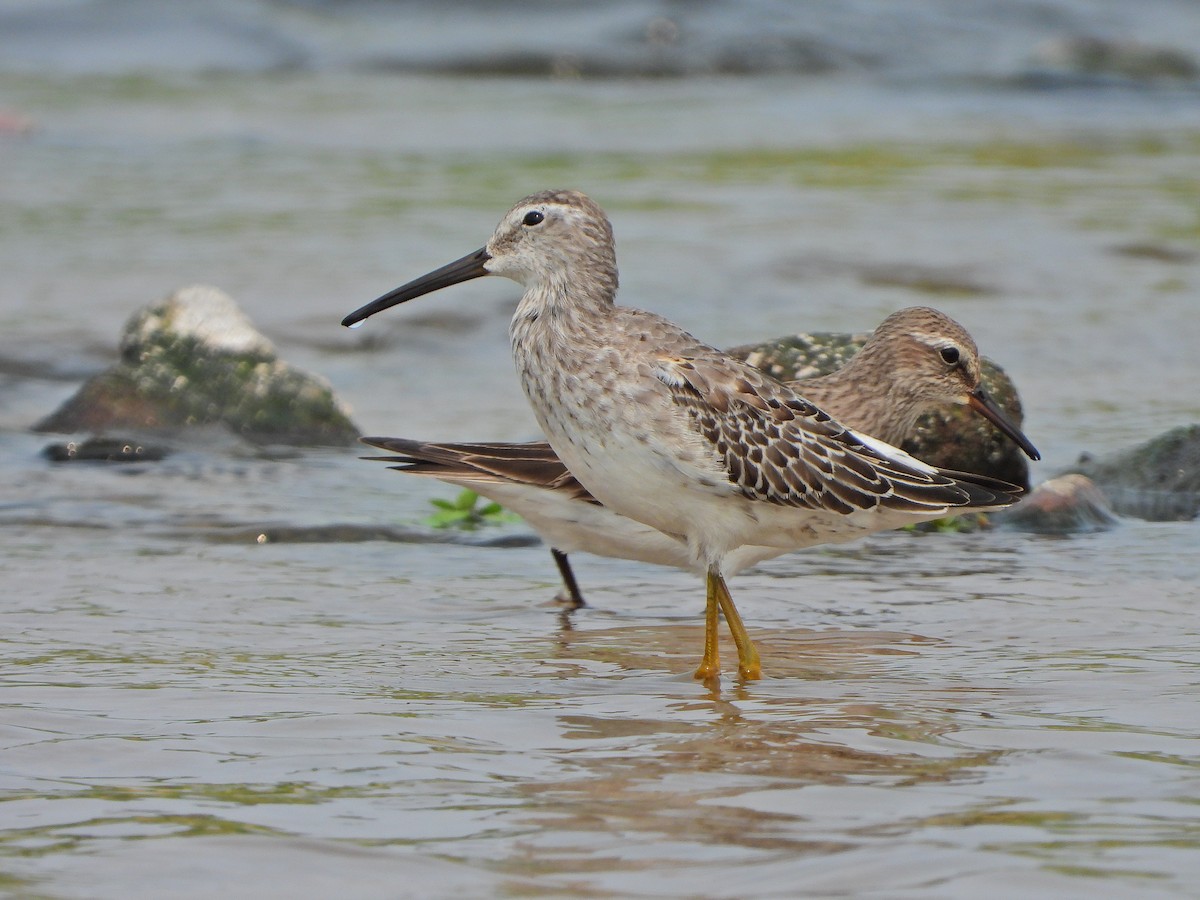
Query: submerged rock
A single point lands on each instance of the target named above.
(1069, 504)
(353, 534)
(105, 450)
(196, 359)
(1158, 480)
(954, 438)
(1088, 60)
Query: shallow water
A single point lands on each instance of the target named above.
(188, 710)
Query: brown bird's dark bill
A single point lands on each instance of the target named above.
(979, 401)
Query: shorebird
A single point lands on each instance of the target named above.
(674, 433)
(918, 359)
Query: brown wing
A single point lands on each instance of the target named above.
(533, 463)
(779, 448)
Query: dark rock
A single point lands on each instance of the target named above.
(105, 450)
(354, 534)
(195, 359)
(1156, 252)
(954, 438)
(1158, 480)
(1069, 504)
(1091, 59)
(925, 280)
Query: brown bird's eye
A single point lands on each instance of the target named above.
(534, 217)
(950, 355)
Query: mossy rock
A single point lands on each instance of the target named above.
(195, 359)
(1158, 480)
(954, 438)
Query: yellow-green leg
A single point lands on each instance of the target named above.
(748, 665)
(710, 663)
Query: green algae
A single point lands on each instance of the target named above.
(1081, 871)
(1016, 818)
(866, 165)
(35, 842)
(1168, 758)
(1036, 155)
(1127, 184)
(464, 513)
(282, 792)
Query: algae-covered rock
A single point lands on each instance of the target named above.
(196, 359)
(1158, 480)
(1069, 504)
(954, 438)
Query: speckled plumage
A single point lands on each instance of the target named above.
(672, 432)
(900, 362)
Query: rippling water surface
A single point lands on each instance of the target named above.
(190, 710)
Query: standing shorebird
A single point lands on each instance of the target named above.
(918, 359)
(676, 434)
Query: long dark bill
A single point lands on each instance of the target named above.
(470, 266)
(979, 401)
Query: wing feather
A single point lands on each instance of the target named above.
(777, 447)
(534, 464)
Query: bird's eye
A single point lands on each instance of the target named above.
(533, 217)
(950, 355)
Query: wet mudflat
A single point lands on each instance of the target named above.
(189, 710)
